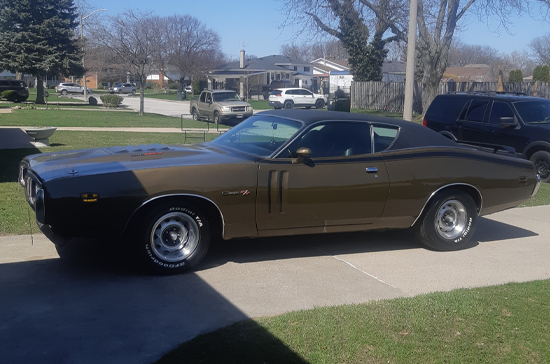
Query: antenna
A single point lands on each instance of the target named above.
(243, 44)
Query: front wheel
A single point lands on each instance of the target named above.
(195, 114)
(449, 222)
(541, 160)
(171, 239)
(63, 92)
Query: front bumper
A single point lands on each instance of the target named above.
(537, 186)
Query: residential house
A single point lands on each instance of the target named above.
(469, 73)
(254, 75)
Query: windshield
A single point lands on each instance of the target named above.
(225, 96)
(536, 111)
(260, 135)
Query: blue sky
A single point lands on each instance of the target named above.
(255, 24)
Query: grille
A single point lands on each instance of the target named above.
(238, 109)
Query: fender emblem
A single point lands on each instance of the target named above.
(234, 193)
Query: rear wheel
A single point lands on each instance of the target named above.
(171, 238)
(289, 105)
(319, 104)
(541, 160)
(449, 222)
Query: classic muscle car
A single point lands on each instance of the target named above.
(277, 173)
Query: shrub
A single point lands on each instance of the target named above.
(173, 86)
(11, 95)
(51, 87)
(111, 100)
(196, 87)
(148, 85)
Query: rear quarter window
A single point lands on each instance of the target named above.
(445, 108)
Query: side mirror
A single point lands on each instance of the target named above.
(302, 153)
(508, 122)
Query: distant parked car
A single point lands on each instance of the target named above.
(123, 88)
(18, 86)
(70, 87)
(290, 98)
(188, 89)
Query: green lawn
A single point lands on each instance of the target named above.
(72, 118)
(500, 324)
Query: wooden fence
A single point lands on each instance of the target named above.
(390, 96)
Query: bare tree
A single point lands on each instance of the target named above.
(540, 46)
(130, 37)
(296, 51)
(188, 45)
(437, 22)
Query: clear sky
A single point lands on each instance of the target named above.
(254, 24)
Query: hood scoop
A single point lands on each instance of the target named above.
(138, 149)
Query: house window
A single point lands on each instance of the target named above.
(295, 68)
(306, 69)
(305, 82)
(287, 76)
(278, 76)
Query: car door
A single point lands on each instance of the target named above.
(471, 124)
(307, 98)
(293, 95)
(508, 135)
(342, 183)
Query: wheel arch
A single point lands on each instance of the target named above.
(206, 205)
(466, 188)
(535, 147)
(448, 134)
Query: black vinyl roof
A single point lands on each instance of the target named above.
(411, 135)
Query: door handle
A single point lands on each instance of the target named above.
(372, 170)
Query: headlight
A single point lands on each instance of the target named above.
(226, 109)
(249, 108)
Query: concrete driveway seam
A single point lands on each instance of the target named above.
(354, 267)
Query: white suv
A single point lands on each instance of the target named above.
(123, 88)
(70, 87)
(296, 97)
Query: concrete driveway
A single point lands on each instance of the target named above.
(92, 308)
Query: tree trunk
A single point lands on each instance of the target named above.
(39, 90)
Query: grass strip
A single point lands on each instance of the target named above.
(90, 118)
(499, 324)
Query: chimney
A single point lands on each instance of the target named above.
(242, 58)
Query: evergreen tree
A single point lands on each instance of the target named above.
(542, 74)
(37, 37)
(515, 76)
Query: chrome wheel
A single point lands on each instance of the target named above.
(543, 168)
(174, 237)
(451, 219)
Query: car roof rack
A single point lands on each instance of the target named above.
(487, 93)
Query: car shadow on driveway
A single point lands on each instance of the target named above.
(334, 244)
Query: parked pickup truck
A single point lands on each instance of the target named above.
(219, 106)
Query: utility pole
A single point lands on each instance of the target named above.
(409, 76)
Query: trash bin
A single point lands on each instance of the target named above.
(339, 104)
(182, 95)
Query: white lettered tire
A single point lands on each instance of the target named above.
(449, 221)
(171, 238)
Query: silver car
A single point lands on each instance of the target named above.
(70, 87)
(123, 88)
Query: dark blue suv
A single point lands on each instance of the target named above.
(513, 120)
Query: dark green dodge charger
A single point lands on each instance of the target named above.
(277, 173)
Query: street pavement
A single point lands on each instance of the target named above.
(92, 308)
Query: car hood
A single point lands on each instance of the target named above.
(232, 103)
(77, 163)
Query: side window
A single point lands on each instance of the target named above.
(335, 140)
(208, 97)
(203, 97)
(306, 93)
(383, 137)
(500, 110)
(476, 111)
